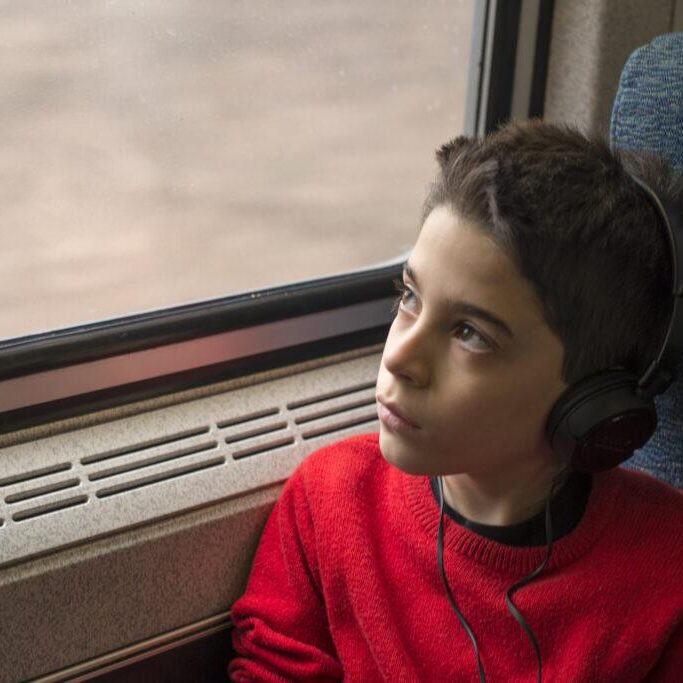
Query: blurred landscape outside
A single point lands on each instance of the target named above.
(162, 152)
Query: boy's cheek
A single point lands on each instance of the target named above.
(383, 379)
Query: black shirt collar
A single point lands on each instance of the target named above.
(566, 508)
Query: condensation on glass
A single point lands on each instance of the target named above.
(162, 152)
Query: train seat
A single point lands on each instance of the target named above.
(648, 115)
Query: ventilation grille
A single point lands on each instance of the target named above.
(229, 454)
(30, 493)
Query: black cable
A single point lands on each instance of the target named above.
(528, 579)
(513, 589)
(463, 621)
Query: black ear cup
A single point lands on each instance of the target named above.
(598, 422)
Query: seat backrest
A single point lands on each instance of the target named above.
(648, 115)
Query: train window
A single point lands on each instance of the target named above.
(162, 153)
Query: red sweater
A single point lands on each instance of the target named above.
(345, 584)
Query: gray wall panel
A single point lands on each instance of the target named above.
(591, 41)
(163, 552)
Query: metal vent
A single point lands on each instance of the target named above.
(61, 490)
(126, 450)
(37, 485)
(335, 411)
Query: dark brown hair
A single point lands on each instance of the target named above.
(578, 227)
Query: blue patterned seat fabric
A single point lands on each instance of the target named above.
(648, 115)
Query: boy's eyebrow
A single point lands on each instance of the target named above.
(467, 308)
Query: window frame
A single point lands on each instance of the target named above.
(67, 358)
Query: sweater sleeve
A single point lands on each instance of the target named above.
(670, 664)
(280, 624)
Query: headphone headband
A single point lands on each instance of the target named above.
(661, 372)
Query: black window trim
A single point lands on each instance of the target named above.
(58, 376)
(62, 356)
(510, 57)
(86, 343)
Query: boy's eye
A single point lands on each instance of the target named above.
(467, 335)
(406, 296)
(470, 338)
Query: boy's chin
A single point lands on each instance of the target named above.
(399, 454)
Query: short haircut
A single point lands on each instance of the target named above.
(565, 208)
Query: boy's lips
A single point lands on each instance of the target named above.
(394, 415)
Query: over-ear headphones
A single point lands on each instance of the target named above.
(598, 422)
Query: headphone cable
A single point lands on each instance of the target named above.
(513, 589)
(463, 621)
(530, 577)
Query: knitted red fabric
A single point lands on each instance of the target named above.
(345, 584)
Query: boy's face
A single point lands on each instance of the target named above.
(469, 360)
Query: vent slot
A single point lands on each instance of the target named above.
(338, 426)
(143, 445)
(333, 394)
(334, 411)
(42, 490)
(247, 418)
(34, 474)
(263, 448)
(257, 431)
(156, 478)
(49, 507)
(155, 460)
(94, 481)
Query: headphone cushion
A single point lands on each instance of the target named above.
(598, 422)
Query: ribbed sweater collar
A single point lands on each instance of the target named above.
(506, 559)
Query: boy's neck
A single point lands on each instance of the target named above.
(501, 499)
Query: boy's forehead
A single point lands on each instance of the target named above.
(457, 261)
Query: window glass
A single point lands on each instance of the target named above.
(160, 152)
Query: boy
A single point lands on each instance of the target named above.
(539, 262)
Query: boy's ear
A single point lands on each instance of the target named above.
(451, 150)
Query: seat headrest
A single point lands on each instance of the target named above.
(648, 107)
(648, 115)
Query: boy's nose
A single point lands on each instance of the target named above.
(408, 354)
